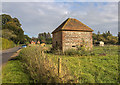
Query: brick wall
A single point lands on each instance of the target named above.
(57, 39)
(71, 39)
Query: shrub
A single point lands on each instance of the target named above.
(71, 52)
(80, 51)
(41, 68)
(55, 50)
(7, 43)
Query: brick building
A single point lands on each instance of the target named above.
(71, 34)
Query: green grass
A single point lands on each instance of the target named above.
(93, 69)
(14, 72)
(99, 68)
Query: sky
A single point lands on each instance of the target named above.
(39, 17)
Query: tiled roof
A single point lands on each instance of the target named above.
(72, 24)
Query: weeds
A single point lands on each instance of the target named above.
(41, 68)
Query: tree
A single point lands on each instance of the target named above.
(94, 38)
(98, 33)
(6, 18)
(106, 37)
(45, 37)
(12, 29)
(8, 34)
(17, 22)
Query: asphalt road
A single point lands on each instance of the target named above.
(6, 54)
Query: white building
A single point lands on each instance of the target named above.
(100, 43)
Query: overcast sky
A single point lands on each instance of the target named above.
(38, 17)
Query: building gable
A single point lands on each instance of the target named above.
(72, 25)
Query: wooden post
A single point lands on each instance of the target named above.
(59, 66)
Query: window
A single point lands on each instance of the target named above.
(73, 46)
(81, 45)
(56, 43)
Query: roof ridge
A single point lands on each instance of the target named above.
(83, 24)
(72, 24)
(66, 23)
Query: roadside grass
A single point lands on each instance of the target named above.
(13, 72)
(41, 67)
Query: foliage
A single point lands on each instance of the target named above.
(37, 65)
(27, 39)
(7, 44)
(12, 30)
(8, 34)
(13, 72)
(45, 37)
(56, 50)
(71, 52)
(79, 51)
(107, 38)
(41, 67)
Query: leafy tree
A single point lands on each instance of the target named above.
(45, 37)
(17, 22)
(12, 29)
(27, 38)
(49, 40)
(98, 33)
(5, 18)
(8, 34)
(106, 37)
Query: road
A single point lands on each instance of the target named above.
(6, 54)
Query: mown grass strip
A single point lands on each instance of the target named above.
(13, 72)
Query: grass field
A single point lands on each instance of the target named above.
(35, 66)
(93, 69)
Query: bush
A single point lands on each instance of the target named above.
(55, 50)
(40, 67)
(71, 52)
(7, 44)
(80, 51)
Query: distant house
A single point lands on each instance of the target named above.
(71, 34)
(32, 42)
(99, 43)
(38, 42)
(43, 44)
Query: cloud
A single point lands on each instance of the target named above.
(37, 17)
(99, 16)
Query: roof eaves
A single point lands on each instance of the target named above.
(56, 30)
